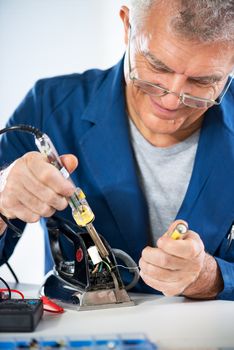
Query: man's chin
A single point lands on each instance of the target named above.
(158, 125)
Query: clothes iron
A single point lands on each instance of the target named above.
(79, 282)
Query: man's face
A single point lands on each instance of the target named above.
(159, 56)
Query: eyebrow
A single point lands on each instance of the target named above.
(214, 78)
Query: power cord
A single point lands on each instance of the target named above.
(12, 272)
(25, 128)
(17, 231)
(7, 288)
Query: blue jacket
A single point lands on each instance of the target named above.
(85, 114)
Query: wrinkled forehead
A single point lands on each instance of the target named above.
(158, 38)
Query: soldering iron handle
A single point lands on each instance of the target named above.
(46, 147)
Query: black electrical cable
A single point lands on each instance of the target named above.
(7, 287)
(12, 272)
(18, 232)
(4, 258)
(21, 127)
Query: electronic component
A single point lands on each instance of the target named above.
(179, 231)
(94, 256)
(115, 342)
(20, 315)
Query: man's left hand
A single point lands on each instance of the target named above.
(181, 267)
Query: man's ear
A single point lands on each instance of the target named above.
(124, 15)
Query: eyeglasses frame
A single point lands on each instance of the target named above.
(181, 96)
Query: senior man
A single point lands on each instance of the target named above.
(154, 139)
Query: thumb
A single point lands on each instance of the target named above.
(3, 226)
(69, 161)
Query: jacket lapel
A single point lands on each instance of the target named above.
(108, 155)
(208, 204)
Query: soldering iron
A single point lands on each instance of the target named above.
(90, 279)
(81, 211)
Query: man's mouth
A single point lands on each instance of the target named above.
(161, 112)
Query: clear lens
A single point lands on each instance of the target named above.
(196, 102)
(187, 100)
(149, 88)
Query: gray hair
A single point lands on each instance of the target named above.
(203, 20)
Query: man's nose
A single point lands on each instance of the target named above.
(170, 101)
(176, 86)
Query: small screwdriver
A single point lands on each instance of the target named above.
(81, 211)
(179, 231)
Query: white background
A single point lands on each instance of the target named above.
(42, 38)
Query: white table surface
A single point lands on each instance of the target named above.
(171, 322)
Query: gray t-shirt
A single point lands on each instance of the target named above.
(164, 175)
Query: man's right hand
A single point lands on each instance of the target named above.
(31, 187)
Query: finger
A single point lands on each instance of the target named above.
(43, 193)
(33, 204)
(69, 161)
(3, 226)
(14, 203)
(22, 182)
(187, 248)
(158, 257)
(159, 273)
(48, 175)
(23, 190)
(26, 215)
(22, 213)
(165, 275)
(167, 288)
